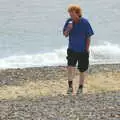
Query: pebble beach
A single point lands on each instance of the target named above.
(39, 93)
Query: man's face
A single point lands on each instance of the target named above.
(73, 15)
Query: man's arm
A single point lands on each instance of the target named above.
(68, 29)
(88, 44)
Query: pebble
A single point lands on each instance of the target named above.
(99, 106)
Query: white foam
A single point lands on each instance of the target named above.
(57, 57)
(106, 53)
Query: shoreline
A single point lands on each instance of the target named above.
(97, 67)
(52, 80)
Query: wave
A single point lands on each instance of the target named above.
(106, 53)
(100, 54)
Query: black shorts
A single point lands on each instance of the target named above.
(82, 58)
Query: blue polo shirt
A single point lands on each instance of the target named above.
(79, 34)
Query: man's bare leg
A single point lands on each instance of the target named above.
(81, 78)
(71, 74)
(81, 82)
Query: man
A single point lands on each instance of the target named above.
(79, 31)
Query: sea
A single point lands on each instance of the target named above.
(31, 32)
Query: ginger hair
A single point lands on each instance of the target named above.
(75, 8)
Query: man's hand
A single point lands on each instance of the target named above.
(68, 29)
(66, 33)
(70, 25)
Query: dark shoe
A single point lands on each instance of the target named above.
(70, 91)
(79, 91)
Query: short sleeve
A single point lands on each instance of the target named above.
(89, 30)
